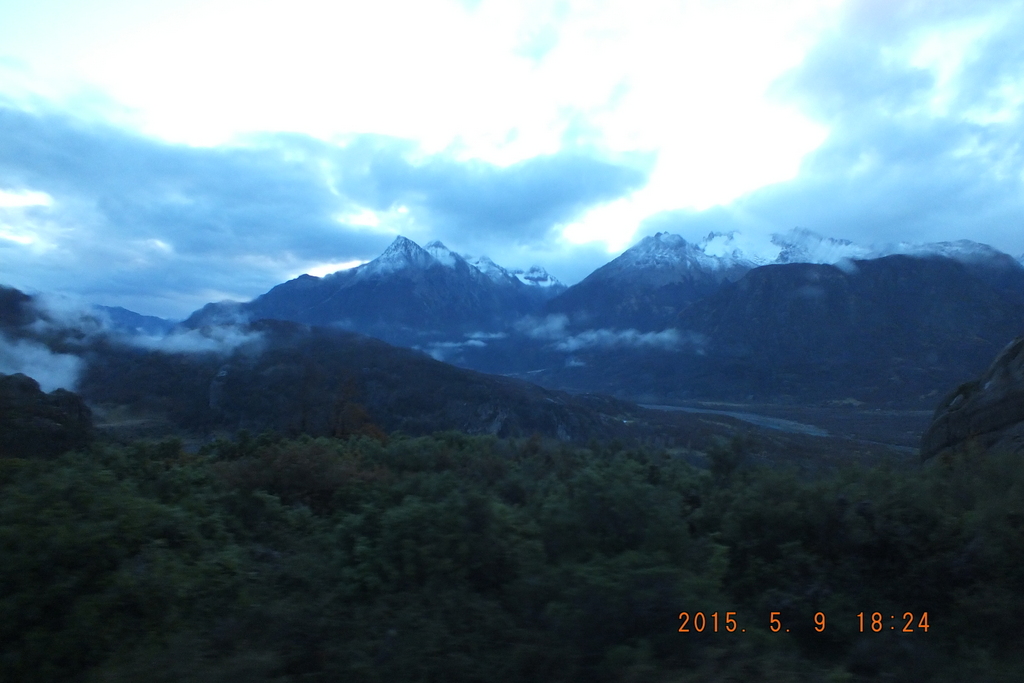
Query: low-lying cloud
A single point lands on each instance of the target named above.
(667, 340)
(59, 314)
(550, 327)
(220, 339)
(51, 370)
(75, 321)
(67, 322)
(444, 350)
(555, 328)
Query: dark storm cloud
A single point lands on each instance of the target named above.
(520, 203)
(908, 156)
(161, 228)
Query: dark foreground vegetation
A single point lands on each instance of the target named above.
(455, 558)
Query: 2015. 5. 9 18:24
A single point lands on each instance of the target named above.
(698, 622)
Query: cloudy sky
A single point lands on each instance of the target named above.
(160, 155)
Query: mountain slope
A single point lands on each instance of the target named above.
(894, 329)
(132, 322)
(647, 285)
(298, 379)
(405, 293)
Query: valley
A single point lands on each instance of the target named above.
(831, 341)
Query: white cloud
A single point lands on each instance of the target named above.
(60, 312)
(51, 370)
(608, 339)
(698, 88)
(442, 350)
(550, 327)
(221, 339)
(501, 82)
(22, 198)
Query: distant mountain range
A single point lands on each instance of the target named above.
(668, 319)
(672, 320)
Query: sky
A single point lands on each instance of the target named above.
(159, 156)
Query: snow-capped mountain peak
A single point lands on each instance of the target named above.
(658, 251)
(665, 257)
(536, 276)
(804, 246)
(401, 254)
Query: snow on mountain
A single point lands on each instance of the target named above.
(965, 251)
(536, 276)
(443, 254)
(803, 246)
(491, 269)
(403, 253)
(665, 258)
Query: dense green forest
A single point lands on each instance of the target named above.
(455, 558)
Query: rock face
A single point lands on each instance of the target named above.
(38, 425)
(988, 412)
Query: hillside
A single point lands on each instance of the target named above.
(896, 330)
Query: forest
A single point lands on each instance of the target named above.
(475, 558)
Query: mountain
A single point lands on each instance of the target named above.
(668, 320)
(651, 283)
(319, 381)
(648, 284)
(131, 322)
(537, 277)
(270, 374)
(406, 294)
(887, 330)
(539, 284)
(805, 246)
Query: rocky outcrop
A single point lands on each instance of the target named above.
(38, 425)
(988, 412)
